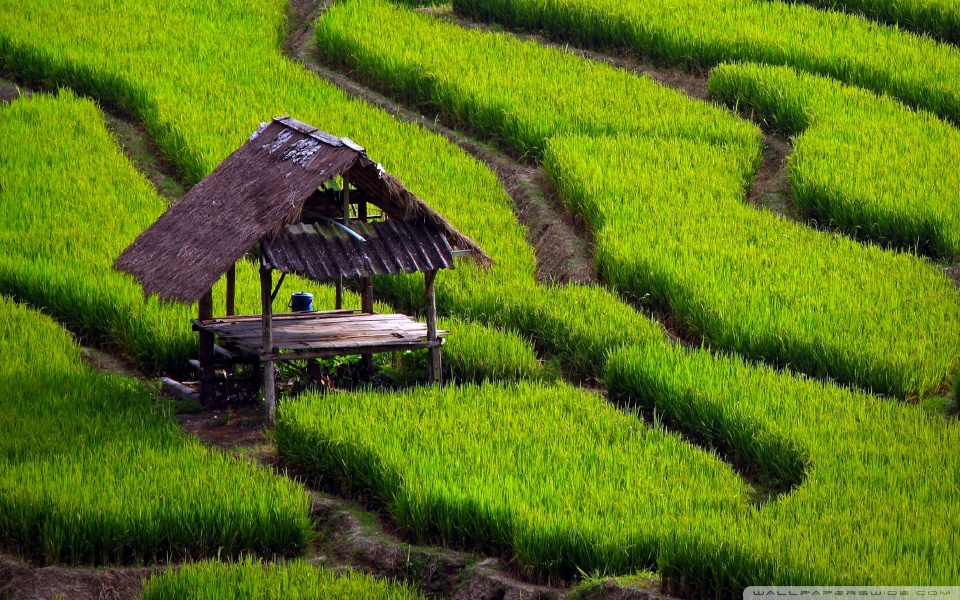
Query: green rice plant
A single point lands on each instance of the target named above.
(562, 483)
(705, 33)
(474, 353)
(519, 93)
(203, 81)
(202, 101)
(867, 165)
(58, 242)
(937, 18)
(880, 484)
(550, 475)
(249, 579)
(750, 281)
(93, 472)
(665, 201)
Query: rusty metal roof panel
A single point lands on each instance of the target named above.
(325, 251)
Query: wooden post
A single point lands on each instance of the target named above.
(434, 367)
(366, 305)
(346, 199)
(231, 290)
(345, 196)
(269, 384)
(208, 371)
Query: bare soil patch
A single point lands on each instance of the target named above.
(23, 581)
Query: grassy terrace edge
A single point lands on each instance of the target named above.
(93, 472)
(698, 33)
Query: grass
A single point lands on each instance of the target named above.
(252, 580)
(93, 472)
(660, 180)
(705, 33)
(862, 163)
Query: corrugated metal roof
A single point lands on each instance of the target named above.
(325, 251)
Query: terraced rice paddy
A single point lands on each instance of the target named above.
(94, 473)
(716, 465)
(897, 185)
(670, 231)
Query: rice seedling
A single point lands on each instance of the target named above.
(705, 33)
(867, 165)
(93, 472)
(250, 579)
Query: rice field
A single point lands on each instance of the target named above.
(560, 481)
(252, 580)
(939, 19)
(93, 471)
(897, 185)
(704, 33)
(57, 253)
(709, 467)
(671, 227)
(660, 179)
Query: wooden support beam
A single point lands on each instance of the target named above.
(366, 305)
(231, 290)
(434, 366)
(345, 194)
(269, 384)
(175, 387)
(208, 382)
(338, 301)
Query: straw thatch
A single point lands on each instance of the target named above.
(254, 194)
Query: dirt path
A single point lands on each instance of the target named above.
(22, 581)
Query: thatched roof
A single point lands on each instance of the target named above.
(253, 195)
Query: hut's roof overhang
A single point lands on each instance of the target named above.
(326, 251)
(254, 195)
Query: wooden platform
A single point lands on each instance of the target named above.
(321, 334)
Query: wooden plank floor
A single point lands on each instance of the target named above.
(326, 333)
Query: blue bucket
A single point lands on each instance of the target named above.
(301, 301)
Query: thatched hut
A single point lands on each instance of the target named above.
(309, 203)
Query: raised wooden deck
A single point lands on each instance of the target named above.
(321, 334)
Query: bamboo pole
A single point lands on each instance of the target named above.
(269, 384)
(208, 372)
(434, 366)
